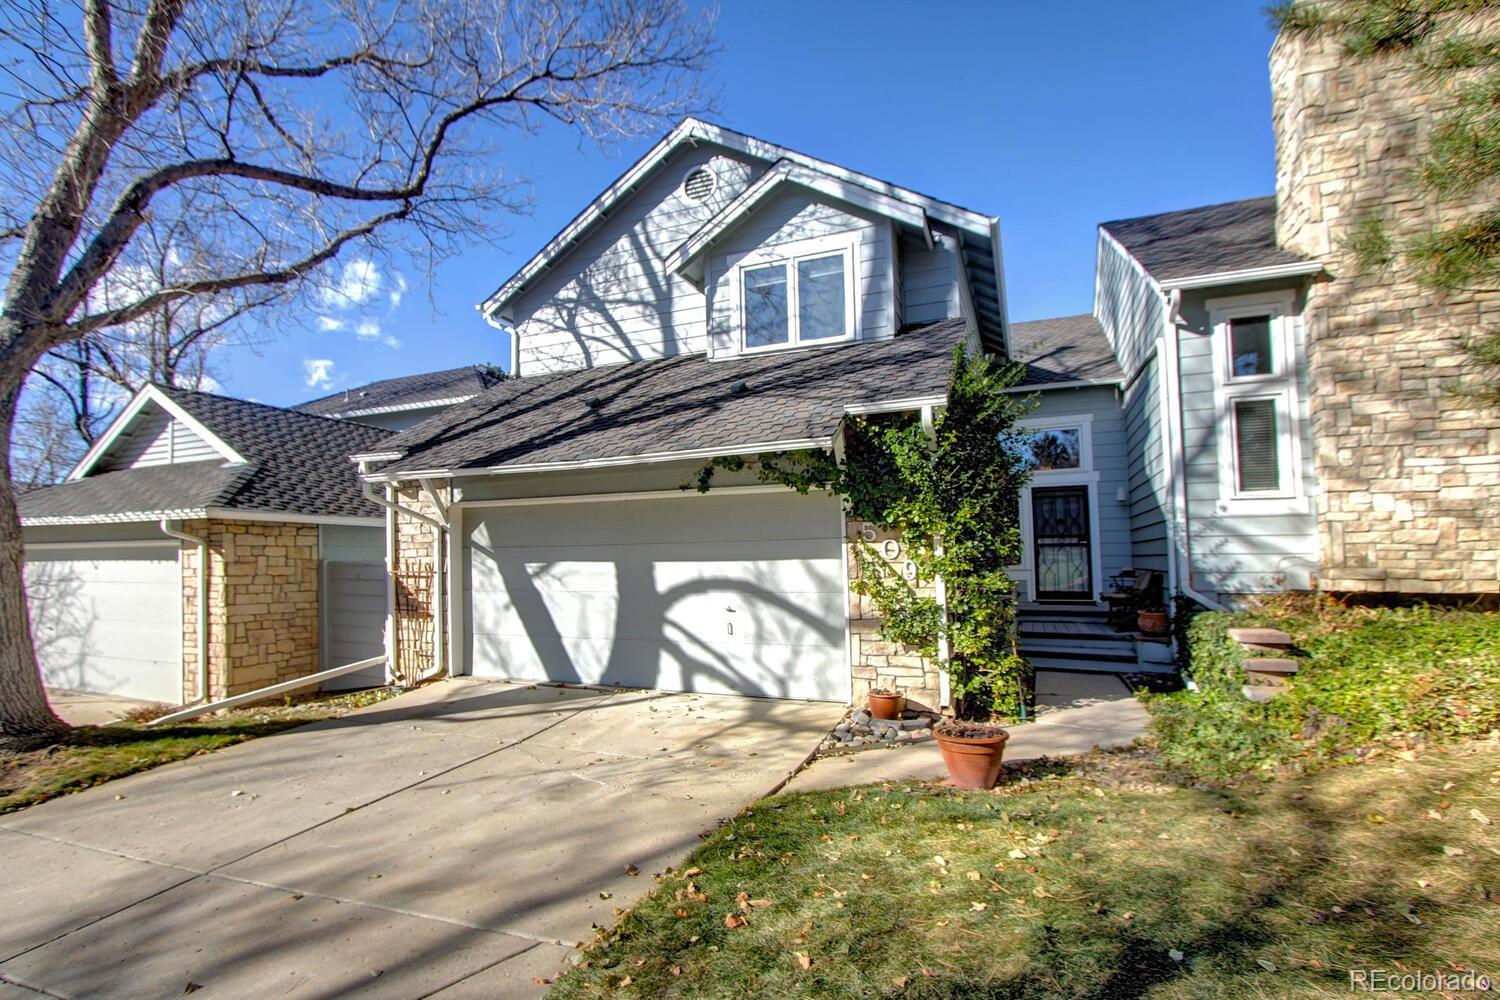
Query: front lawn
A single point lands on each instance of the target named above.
(1393, 678)
(1093, 880)
(95, 754)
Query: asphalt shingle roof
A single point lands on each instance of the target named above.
(133, 494)
(1064, 349)
(678, 404)
(407, 390)
(1234, 236)
(294, 463)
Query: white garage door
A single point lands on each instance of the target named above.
(109, 621)
(725, 593)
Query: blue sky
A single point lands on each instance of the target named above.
(1054, 117)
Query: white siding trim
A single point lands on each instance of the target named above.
(149, 394)
(1294, 270)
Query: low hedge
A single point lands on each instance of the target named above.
(1369, 676)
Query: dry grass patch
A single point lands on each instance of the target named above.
(96, 754)
(1094, 880)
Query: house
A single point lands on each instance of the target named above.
(399, 403)
(294, 575)
(725, 296)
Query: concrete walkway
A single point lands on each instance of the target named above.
(450, 843)
(1076, 712)
(86, 708)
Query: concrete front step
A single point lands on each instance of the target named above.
(1083, 632)
(1091, 612)
(1278, 666)
(1073, 665)
(1087, 650)
(1261, 638)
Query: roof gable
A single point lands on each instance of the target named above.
(145, 417)
(979, 241)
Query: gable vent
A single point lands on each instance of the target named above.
(699, 184)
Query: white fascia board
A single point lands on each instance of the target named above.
(149, 394)
(402, 407)
(691, 130)
(895, 405)
(376, 456)
(1297, 269)
(124, 517)
(228, 514)
(786, 172)
(649, 458)
(999, 259)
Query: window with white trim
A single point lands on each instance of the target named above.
(1256, 367)
(800, 299)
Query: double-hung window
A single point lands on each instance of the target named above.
(803, 298)
(1255, 366)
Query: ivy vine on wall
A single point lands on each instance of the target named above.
(953, 493)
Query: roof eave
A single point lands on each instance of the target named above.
(1295, 269)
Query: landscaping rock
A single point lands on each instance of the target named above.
(861, 717)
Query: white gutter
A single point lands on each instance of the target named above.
(1297, 269)
(1179, 564)
(202, 637)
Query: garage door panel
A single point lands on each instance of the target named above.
(805, 618)
(762, 671)
(646, 593)
(720, 519)
(109, 623)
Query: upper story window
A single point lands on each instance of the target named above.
(802, 298)
(1256, 391)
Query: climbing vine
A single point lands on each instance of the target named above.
(953, 493)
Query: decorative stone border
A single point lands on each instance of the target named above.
(859, 731)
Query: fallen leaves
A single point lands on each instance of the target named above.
(734, 921)
(632, 871)
(1480, 817)
(804, 961)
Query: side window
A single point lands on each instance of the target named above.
(1255, 360)
(804, 298)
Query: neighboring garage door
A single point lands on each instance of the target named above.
(732, 593)
(352, 601)
(109, 620)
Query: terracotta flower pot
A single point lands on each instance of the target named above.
(887, 705)
(972, 753)
(1152, 622)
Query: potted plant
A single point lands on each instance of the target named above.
(886, 704)
(972, 752)
(1152, 620)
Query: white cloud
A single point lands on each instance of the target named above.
(367, 329)
(392, 343)
(330, 323)
(398, 289)
(358, 282)
(318, 372)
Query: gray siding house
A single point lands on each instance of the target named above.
(730, 296)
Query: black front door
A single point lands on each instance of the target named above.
(1060, 538)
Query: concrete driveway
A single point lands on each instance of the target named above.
(452, 843)
(87, 708)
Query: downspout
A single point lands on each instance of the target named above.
(1179, 563)
(202, 543)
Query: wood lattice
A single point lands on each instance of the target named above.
(414, 651)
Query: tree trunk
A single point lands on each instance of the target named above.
(26, 720)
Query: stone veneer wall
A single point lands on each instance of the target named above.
(262, 605)
(1409, 473)
(415, 640)
(876, 662)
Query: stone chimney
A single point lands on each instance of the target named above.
(1409, 472)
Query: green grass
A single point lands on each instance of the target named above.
(1095, 882)
(1396, 677)
(92, 755)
